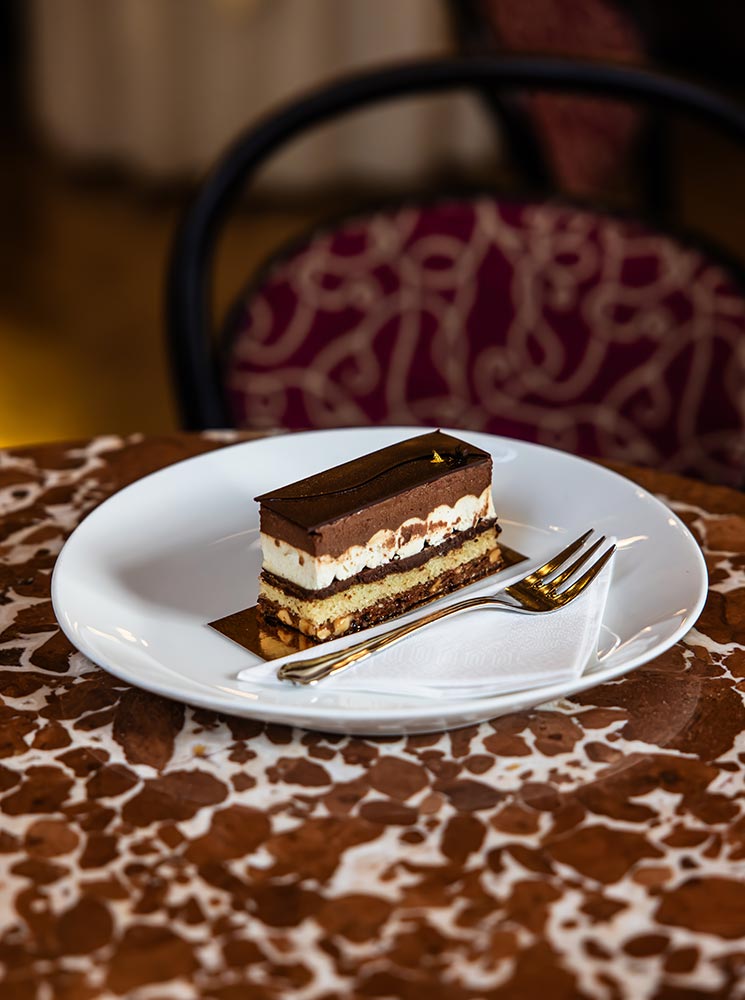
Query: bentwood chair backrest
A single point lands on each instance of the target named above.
(523, 316)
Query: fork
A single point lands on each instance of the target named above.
(537, 593)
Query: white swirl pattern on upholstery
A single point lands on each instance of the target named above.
(540, 321)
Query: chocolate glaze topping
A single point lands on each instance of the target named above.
(382, 475)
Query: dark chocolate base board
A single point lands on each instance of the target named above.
(272, 640)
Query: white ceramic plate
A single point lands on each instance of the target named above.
(137, 582)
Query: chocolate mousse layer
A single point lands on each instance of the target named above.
(326, 513)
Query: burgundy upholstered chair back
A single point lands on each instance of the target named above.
(590, 143)
(538, 321)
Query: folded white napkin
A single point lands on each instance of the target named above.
(471, 654)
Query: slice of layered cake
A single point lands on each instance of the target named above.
(374, 537)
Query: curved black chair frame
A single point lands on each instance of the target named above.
(194, 358)
(650, 163)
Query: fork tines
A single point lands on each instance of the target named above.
(543, 585)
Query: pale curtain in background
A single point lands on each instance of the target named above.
(160, 86)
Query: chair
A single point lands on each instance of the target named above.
(587, 147)
(522, 316)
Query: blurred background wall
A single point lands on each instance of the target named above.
(117, 106)
(162, 85)
(113, 108)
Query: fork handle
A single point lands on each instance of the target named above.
(316, 668)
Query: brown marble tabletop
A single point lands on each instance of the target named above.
(588, 848)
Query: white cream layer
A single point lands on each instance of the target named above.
(317, 572)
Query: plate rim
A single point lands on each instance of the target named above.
(419, 708)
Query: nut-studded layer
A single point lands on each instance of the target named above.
(364, 604)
